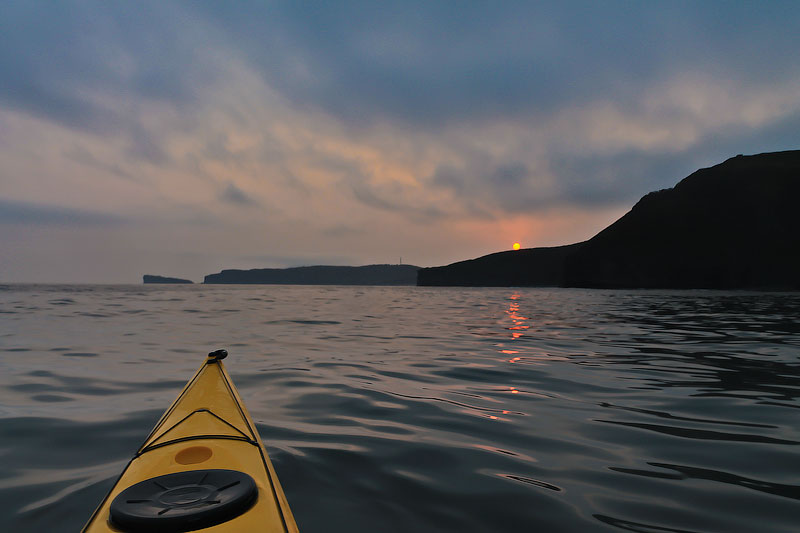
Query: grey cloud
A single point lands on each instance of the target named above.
(234, 195)
(84, 157)
(782, 134)
(86, 64)
(575, 180)
(607, 180)
(422, 62)
(374, 197)
(600, 180)
(12, 212)
(342, 231)
(216, 149)
(627, 176)
(429, 62)
(511, 174)
(505, 186)
(146, 146)
(367, 196)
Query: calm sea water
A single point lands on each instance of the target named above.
(422, 409)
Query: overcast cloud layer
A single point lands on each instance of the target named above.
(182, 138)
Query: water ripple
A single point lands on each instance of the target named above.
(422, 409)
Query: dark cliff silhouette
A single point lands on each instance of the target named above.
(149, 278)
(731, 226)
(321, 275)
(531, 267)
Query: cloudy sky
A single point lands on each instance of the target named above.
(182, 138)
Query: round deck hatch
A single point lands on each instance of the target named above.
(184, 501)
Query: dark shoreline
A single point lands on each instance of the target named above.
(730, 226)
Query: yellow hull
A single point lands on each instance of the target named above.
(206, 428)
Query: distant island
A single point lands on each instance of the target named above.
(320, 275)
(149, 278)
(731, 226)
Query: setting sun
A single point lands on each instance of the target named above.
(516, 246)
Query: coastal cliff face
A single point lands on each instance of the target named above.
(731, 226)
(320, 275)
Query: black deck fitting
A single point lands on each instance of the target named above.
(217, 355)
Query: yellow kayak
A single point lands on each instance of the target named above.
(202, 468)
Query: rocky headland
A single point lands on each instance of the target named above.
(731, 226)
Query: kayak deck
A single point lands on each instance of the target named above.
(206, 428)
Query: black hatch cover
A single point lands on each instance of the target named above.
(184, 501)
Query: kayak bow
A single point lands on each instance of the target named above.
(202, 468)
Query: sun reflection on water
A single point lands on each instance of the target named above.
(518, 323)
(524, 351)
